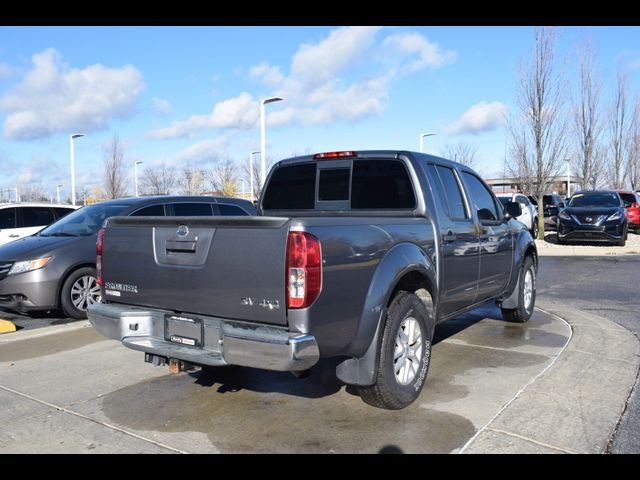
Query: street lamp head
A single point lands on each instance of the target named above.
(139, 162)
(254, 152)
(264, 101)
(61, 185)
(427, 134)
(77, 135)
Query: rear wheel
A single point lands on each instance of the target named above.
(405, 351)
(526, 295)
(80, 290)
(534, 228)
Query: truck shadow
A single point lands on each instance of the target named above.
(455, 325)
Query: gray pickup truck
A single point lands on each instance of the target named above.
(353, 254)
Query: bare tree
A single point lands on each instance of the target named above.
(519, 168)
(538, 132)
(223, 178)
(460, 152)
(33, 192)
(115, 174)
(158, 180)
(257, 189)
(587, 120)
(633, 149)
(618, 132)
(191, 181)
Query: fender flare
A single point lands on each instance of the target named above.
(400, 260)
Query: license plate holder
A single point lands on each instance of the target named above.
(184, 330)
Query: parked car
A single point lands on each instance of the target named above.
(56, 267)
(594, 216)
(631, 202)
(353, 254)
(553, 204)
(19, 220)
(529, 212)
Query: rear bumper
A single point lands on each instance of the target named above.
(224, 342)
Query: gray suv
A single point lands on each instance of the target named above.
(55, 268)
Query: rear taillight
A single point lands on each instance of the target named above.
(635, 205)
(99, 248)
(303, 269)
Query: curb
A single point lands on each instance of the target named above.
(574, 405)
(44, 331)
(554, 250)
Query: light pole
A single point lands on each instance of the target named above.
(73, 167)
(58, 192)
(242, 181)
(421, 137)
(251, 154)
(135, 174)
(17, 196)
(263, 147)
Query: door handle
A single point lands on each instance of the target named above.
(449, 237)
(14, 235)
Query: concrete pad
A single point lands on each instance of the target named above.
(575, 406)
(491, 441)
(61, 432)
(14, 408)
(41, 332)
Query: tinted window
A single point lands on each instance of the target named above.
(83, 222)
(61, 212)
(504, 200)
(192, 210)
(381, 184)
(291, 188)
(231, 210)
(628, 199)
(7, 218)
(438, 190)
(150, 211)
(481, 198)
(522, 199)
(452, 190)
(333, 184)
(36, 216)
(595, 200)
(549, 200)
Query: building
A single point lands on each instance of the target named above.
(559, 185)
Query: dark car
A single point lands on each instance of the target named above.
(55, 268)
(632, 204)
(596, 216)
(553, 204)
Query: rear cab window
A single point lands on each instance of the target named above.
(354, 184)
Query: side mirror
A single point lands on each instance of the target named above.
(512, 210)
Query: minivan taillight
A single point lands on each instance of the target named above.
(303, 269)
(99, 248)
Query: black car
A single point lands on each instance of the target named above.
(596, 216)
(55, 268)
(553, 204)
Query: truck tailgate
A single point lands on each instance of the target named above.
(230, 267)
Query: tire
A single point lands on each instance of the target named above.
(534, 229)
(399, 381)
(522, 313)
(73, 300)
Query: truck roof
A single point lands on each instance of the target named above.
(369, 154)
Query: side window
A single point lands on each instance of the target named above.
(36, 216)
(231, 210)
(438, 190)
(453, 193)
(481, 198)
(150, 211)
(522, 199)
(61, 212)
(7, 218)
(291, 188)
(192, 210)
(382, 184)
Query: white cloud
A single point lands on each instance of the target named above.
(53, 97)
(635, 64)
(482, 117)
(205, 151)
(240, 112)
(340, 77)
(161, 106)
(411, 44)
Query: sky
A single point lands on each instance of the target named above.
(190, 95)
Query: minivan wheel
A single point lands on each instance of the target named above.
(80, 290)
(404, 354)
(526, 294)
(534, 229)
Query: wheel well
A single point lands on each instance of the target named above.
(417, 283)
(531, 252)
(64, 279)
